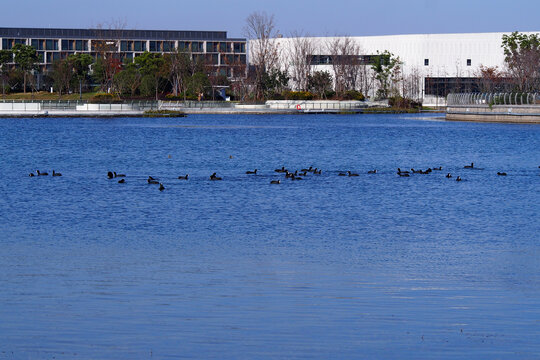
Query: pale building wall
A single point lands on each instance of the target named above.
(447, 53)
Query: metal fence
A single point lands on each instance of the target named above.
(69, 105)
(493, 99)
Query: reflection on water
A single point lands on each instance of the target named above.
(374, 266)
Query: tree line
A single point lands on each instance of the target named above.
(179, 74)
(280, 68)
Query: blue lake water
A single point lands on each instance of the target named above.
(374, 266)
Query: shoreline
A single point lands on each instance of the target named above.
(207, 111)
(504, 114)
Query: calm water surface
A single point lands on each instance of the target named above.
(374, 266)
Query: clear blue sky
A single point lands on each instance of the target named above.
(328, 17)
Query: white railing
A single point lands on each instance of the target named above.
(493, 99)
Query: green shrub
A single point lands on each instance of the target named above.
(400, 102)
(298, 95)
(353, 95)
(330, 94)
(104, 98)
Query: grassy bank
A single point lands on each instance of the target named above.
(44, 95)
(163, 113)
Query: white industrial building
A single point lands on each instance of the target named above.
(443, 61)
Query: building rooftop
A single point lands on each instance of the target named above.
(113, 34)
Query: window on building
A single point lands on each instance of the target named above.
(238, 47)
(81, 45)
(8, 44)
(211, 46)
(197, 46)
(139, 46)
(183, 45)
(51, 45)
(36, 44)
(168, 45)
(426, 62)
(469, 62)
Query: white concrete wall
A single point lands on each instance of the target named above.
(447, 53)
(314, 104)
(104, 107)
(20, 107)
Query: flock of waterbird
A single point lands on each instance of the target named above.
(296, 175)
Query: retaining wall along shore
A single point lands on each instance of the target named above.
(522, 114)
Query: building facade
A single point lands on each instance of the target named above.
(213, 47)
(443, 62)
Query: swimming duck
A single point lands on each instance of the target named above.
(415, 171)
(161, 187)
(31, 175)
(306, 170)
(469, 166)
(215, 177)
(42, 173)
(56, 174)
(449, 175)
(110, 175)
(251, 172)
(501, 173)
(183, 177)
(318, 172)
(351, 174)
(275, 182)
(401, 172)
(119, 175)
(342, 174)
(374, 171)
(437, 168)
(282, 170)
(121, 181)
(458, 178)
(151, 180)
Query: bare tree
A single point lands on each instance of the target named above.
(344, 52)
(300, 52)
(411, 85)
(366, 79)
(240, 83)
(62, 75)
(106, 48)
(261, 30)
(179, 70)
(490, 79)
